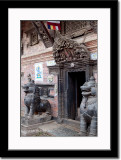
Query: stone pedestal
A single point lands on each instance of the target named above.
(30, 126)
(35, 119)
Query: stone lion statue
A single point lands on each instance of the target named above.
(88, 108)
(32, 100)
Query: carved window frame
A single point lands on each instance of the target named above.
(32, 41)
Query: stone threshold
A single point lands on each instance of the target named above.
(73, 123)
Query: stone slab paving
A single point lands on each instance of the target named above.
(51, 129)
(60, 130)
(63, 132)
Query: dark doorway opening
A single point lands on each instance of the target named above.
(75, 80)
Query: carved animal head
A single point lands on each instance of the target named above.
(89, 88)
(29, 87)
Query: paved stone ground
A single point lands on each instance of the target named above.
(60, 130)
(52, 129)
(63, 132)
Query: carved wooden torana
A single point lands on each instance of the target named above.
(67, 50)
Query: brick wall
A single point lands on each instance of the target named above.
(27, 49)
(28, 67)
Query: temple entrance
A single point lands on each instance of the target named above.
(74, 67)
(75, 80)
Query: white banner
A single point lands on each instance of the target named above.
(38, 72)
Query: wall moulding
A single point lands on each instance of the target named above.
(36, 61)
(47, 50)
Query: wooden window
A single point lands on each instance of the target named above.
(33, 38)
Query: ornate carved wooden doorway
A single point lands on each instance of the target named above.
(73, 68)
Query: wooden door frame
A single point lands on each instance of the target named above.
(61, 70)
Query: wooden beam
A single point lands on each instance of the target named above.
(46, 31)
(38, 32)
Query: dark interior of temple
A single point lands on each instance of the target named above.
(75, 80)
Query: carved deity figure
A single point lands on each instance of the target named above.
(32, 100)
(88, 108)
